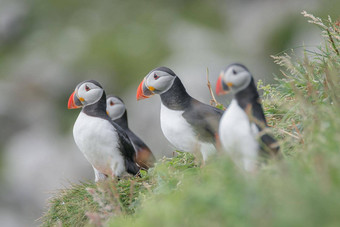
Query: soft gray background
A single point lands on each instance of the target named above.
(47, 47)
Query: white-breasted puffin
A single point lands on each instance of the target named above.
(188, 124)
(104, 144)
(117, 112)
(242, 127)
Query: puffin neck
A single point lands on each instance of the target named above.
(122, 121)
(176, 98)
(249, 95)
(97, 109)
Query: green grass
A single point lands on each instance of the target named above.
(301, 189)
(68, 206)
(97, 202)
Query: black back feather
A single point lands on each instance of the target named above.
(137, 143)
(202, 117)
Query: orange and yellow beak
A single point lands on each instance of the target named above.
(144, 92)
(74, 102)
(221, 87)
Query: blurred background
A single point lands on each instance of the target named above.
(47, 47)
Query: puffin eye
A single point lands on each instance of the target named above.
(234, 71)
(87, 88)
(111, 103)
(155, 76)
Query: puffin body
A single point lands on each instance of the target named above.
(173, 124)
(99, 144)
(238, 134)
(188, 124)
(104, 144)
(242, 126)
(117, 112)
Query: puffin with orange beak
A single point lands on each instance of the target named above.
(104, 144)
(188, 124)
(117, 112)
(243, 126)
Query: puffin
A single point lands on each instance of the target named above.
(104, 143)
(116, 110)
(188, 124)
(243, 127)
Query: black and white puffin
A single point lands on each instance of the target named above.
(188, 124)
(117, 112)
(242, 127)
(104, 144)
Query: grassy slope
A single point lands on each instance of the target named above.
(301, 189)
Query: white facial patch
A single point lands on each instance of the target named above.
(89, 93)
(238, 77)
(159, 81)
(115, 108)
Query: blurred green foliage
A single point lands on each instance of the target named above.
(114, 42)
(124, 39)
(282, 36)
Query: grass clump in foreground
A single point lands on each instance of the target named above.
(302, 189)
(94, 203)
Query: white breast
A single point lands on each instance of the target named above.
(98, 140)
(238, 136)
(180, 133)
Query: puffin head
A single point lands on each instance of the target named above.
(115, 107)
(235, 77)
(157, 81)
(86, 93)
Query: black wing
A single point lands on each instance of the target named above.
(269, 144)
(144, 156)
(127, 150)
(204, 119)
